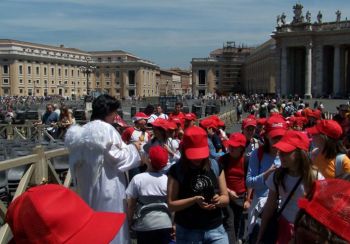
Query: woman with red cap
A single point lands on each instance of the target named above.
(234, 165)
(291, 181)
(197, 191)
(262, 162)
(330, 154)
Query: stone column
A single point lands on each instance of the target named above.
(308, 71)
(336, 71)
(317, 87)
(283, 72)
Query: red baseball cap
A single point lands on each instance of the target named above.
(208, 123)
(261, 121)
(328, 127)
(158, 156)
(172, 125)
(160, 122)
(218, 121)
(139, 116)
(292, 140)
(276, 126)
(190, 116)
(119, 121)
(330, 205)
(249, 122)
(237, 140)
(54, 214)
(176, 120)
(195, 143)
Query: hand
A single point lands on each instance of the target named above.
(204, 205)
(138, 145)
(246, 205)
(232, 194)
(216, 200)
(269, 171)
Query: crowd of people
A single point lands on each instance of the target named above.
(284, 178)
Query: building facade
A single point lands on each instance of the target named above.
(260, 69)
(38, 70)
(221, 72)
(42, 70)
(313, 57)
(122, 74)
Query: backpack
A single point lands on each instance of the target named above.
(339, 164)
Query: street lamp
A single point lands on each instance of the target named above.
(87, 69)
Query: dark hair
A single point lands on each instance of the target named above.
(266, 145)
(332, 147)
(311, 225)
(102, 106)
(149, 109)
(179, 103)
(185, 163)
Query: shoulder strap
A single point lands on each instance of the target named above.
(279, 212)
(260, 156)
(215, 167)
(339, 164)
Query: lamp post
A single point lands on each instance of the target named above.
(87, 69)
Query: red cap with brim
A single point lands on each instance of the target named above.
(37, 216)
(197, 153)
(105, 224)
(276, 132)
(284, 147)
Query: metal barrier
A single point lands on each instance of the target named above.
(40, 171)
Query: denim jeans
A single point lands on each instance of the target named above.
(194, 236)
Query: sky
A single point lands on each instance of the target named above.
(167, 32)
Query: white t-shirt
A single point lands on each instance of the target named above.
(151, 186)
(291, 209)
(148, 184)
(153, 117)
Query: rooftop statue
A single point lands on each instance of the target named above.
(278, 20)
(338, 13)
(283, 18)
(319, 17)
(298, 11)
(308, 17)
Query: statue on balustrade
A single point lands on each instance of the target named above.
(308, 17)
(338, 13)
(283, 19)
(298, 11)
(319, 17)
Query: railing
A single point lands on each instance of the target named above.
(40, 171)
(24, 132)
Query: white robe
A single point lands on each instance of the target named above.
(98, 160)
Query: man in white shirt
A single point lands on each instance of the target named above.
(158, 114)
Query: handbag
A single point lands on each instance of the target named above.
(271, 232)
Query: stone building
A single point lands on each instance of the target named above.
(122, 74)
(186, 80)
(35, 69)
(259, 69)
(313, 56)
(170, 83)
(221, 72)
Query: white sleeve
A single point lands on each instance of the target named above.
(152, 118)
(124, 156)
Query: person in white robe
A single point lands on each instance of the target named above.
(99, 160)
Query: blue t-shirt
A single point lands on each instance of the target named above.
(49, 118)
(255, 178)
